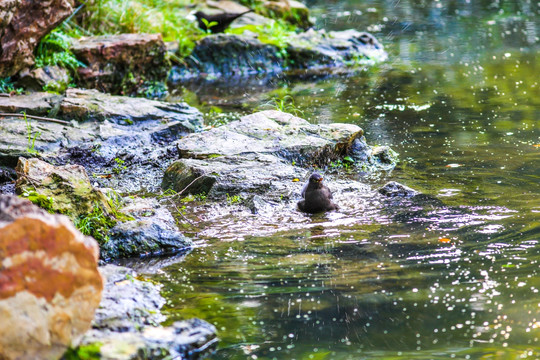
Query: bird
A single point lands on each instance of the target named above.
(217, 23)
(317, 197)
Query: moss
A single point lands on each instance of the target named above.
(84, 352)
(44, 202)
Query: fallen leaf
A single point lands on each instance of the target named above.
(295, 180)
(444, 240)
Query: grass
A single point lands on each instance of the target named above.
(31, 138)
(166, 17)
(276, 33)
(98, 223)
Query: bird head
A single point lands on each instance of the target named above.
(316, 178)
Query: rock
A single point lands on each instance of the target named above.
(143, 136)
(24, 23)
(49, 282)
(39, 104)
(61, 189)
(310, 52)
(152, 232)
(84, 105)
(316, 50)
(119, 64)
(233, 7)
(255, 155)
(128, 304)
(126, 324)
(290, 10)
(395, 189)
(53, 78)
(228, 55)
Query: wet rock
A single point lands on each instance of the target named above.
(39, 104)
(316, 49)
(259, 154)
(227, 55)
(62, 189)
(49, 282)
(119, 64)
(395, 189)
(127, 155)
(128, 304)
(83, 105)
(126, 323)
(152, 232)
(54, 78)
(23, 24)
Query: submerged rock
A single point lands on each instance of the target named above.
(395, 189)
(49, 282)
(126, 323)
(120, 64)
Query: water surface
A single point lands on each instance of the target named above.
(453, 277)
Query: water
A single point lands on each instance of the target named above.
(455, 277)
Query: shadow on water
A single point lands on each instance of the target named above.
(450, 274)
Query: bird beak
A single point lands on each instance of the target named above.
(321, 179)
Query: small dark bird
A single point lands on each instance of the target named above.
(317, 197)
(217, 23)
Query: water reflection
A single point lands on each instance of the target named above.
(453, 274)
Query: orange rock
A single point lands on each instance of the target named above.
(50, 285)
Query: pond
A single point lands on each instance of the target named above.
(453, 277)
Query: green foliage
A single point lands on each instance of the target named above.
(96, 224)
(101, 17)
(199, 197)
(284, 104)
(31, 136)
(119, 167)
(7, 86)
(209, 25)
(84, 352)
(54, 49)
(235, 199)
(346, 163)
(44, 202)
(276, 33)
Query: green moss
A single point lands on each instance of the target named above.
(235, 199)
(84, 352)
(44, 202)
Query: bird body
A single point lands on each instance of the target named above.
(317, 197)
(217, 23)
